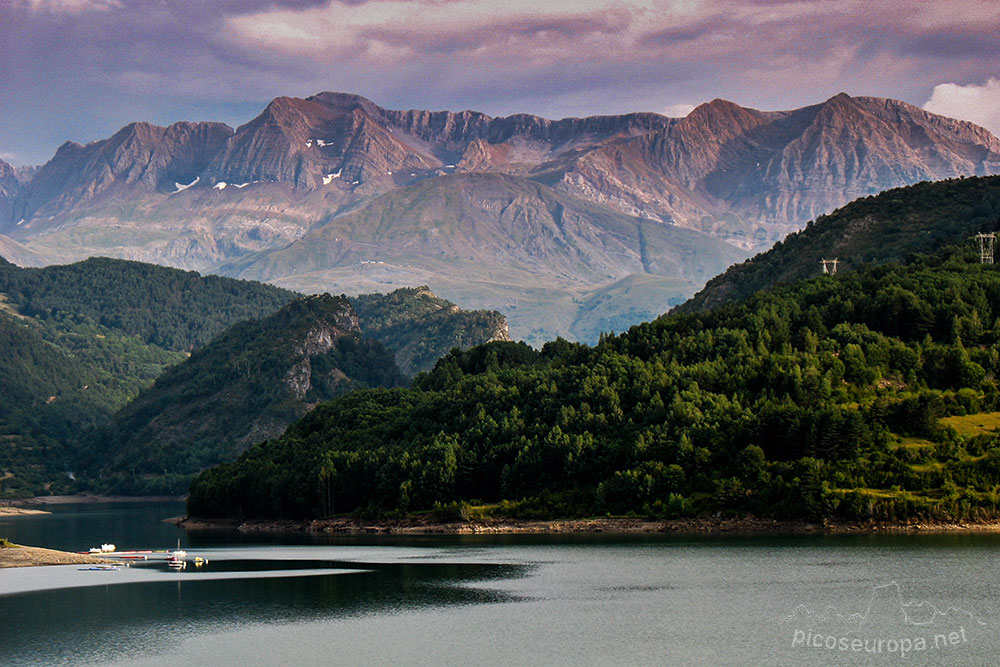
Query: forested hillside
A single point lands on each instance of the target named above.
(80, 341)
(169, 308)
(824, 399)
(247, 385)
(887, 227)
(420, 327)
(48, 394)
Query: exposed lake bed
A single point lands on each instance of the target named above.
(423, 524)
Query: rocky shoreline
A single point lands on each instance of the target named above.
(608, 525)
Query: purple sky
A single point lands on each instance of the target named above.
(80, 69)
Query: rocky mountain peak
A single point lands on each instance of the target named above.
(343, 102)
(840, 98)
(721, 118)
(204, 196)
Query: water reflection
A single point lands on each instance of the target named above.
(109, 622)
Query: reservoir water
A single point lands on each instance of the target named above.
(296, 599)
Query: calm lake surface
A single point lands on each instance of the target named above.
(497, 600)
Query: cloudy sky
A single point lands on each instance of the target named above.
(80, 69)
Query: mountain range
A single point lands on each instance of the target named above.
(541, 219)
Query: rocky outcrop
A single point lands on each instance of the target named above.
(12, 180)
(501, 332)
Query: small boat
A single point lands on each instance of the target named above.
(104, 567)
(176, 564)
(179, 553)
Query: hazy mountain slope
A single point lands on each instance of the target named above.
(246, 386)
(476, 233)
(20, 254)
(916, 219)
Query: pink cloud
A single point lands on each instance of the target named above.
(193, 59)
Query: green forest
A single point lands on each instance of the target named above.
(871, 394)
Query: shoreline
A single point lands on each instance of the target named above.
(91, 499)
(605, 525)
(18, 555)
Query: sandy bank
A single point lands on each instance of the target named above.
(20, 556)
(17, 511)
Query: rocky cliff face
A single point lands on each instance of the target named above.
(419, 327)
(139, 159)
(751, 177)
